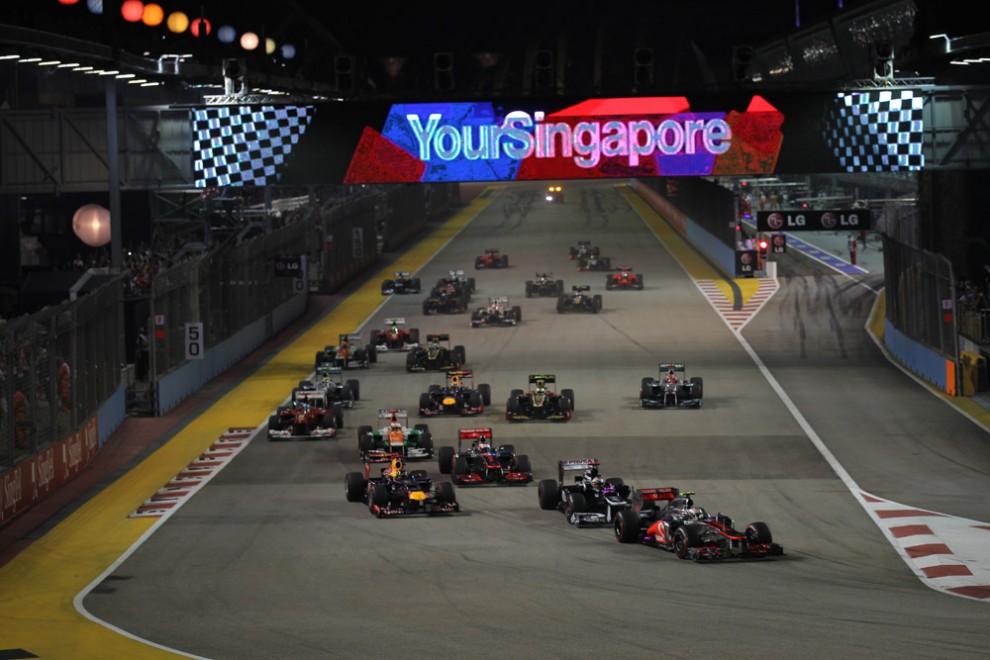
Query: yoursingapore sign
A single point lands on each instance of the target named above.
(624, 137)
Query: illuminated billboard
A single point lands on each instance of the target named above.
(737, 135)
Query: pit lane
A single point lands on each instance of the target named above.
(269, 560)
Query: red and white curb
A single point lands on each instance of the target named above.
(736, 319)
(188, 482)
(960, 566)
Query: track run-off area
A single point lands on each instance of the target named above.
(875, 485)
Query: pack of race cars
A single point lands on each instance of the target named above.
(662, 517)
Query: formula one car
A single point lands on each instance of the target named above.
(544, 285)
(587, 499)
(398, 492)
(671, 388)
(329, 381)
(492, 258)
(497, 312)
(457, 397)
(396, 437)
(688, 530)
(540, 402)
(446, 300)
(401, 283)
(579, 301)
(348, 354)
(483, 462)
(456, 281)
(624, 279)
(395, 337)
(594, 262)
(582, 250)
(555, 194)
(437, 355)
(307, 417)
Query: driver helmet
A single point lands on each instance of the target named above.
(455, 380)
(671, 376)
(697, 513)
(598, 482)
(482, 445)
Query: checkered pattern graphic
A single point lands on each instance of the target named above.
(877, 131)
(245, 145)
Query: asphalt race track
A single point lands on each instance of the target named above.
(270, 561)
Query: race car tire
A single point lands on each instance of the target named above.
(422, 428)
(475, 400)
(505, 261)
(355, 389)
(379, 495)
(338, 415)
(478, 263)
(685, 538)
(549, 494)
(425, 403)
(564, 404)
(560, 287)
(445, 459)
(433, 388)
(372, 353)
(645, 394)
(273, 425)
(597, 302)
(647, 380)
(426, 309)
(460, 354)
(569, 393)
(366, 438)
(281, 410)
(445, 492)
(607, 263)
(354, 486)
(561, 305)
(609, 282)
(414, 285)
(517, 313)
(486, 393)
(411, 360)
(512, 405)
(758, 532)
(470, 286)
(627, 526)
(698, 386)
(639, 282)
(460, 466)
(426, 441)
(529, 289)
(576, 504)
(523, 464)
(514, 393)
(414, 335)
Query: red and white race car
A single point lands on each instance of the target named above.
(396, 337)
(483, 462)
(625, 278)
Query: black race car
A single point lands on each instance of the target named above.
(348, 354)
(671, 389)
(329, 380)
(483, 462)
(594, 262)
(457, 282)
(492, 258)
(540, 402)
(395, 336)
(498, 312)
(544, 285)
(437, 355)
(401, 282)
(398, 492)
(668, 518)
(579, 301)
(588, 498)
(446, 299)
(457, 397)
(583, 249)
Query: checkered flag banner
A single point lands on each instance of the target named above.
(877, 131)
(245, 145)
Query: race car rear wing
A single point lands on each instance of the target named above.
(581, 289)
(671, 366)
(573, 465)
(311, 397)
(438, 338)
(378, 456)
(353, 338)
(546, 378)
(475, 433)
(398, 320)
(398, 413)
(399, 274)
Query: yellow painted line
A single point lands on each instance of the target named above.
(697, 267)
(37, 588)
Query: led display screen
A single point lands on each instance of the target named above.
(720, 135)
